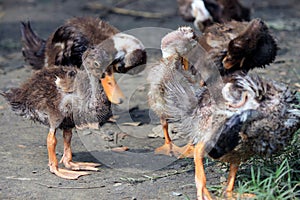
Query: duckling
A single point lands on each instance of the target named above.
(174, 46)
(64, 97)
(264, 125)
(236, 47)
(205, 13)
(66, 45)
(216, 46)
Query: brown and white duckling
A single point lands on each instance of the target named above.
(233, 48)
(205, 13)
(66, 45)
(263, 125)
(65, 97)
(174, 46)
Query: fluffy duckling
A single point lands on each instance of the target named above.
(174, 46)
(66, 45)
(65, 97)
(204, 13)
(219, 46)
(239, 46)
(263, 125)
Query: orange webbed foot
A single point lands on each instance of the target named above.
(67, 174)
(82, 166)
(233, 195)
(169, 149)
(79, 165)
(187, 151)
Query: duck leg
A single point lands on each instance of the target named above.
(53, 164)
(200, 178)
(228, 193)
(231, 178)
(169, 148)
(67, 157)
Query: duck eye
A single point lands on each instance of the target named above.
(72, 73)
(96, 64)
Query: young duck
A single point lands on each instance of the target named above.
(236, 47)
(204, 13)
(65, 97)
(231, 48)
(66, 45)
(263, 125)
(174, 46)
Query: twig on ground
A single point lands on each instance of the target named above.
(63, 187)
(152, 178)
(20, 178)
(95, 6)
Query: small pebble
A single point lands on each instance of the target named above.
(120, 149)
(117, 184)
(177, 194)
(21, 146)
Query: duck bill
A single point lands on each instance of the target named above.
(185, 64)
(111, 89)
(227, 64)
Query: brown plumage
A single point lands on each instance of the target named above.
(61, 97)
(171, 96)
(47, 97)
(175, 46)
(263, 125)
(66, 97)
(66, 45)
(216, 47)
(205, 13)
(239, 46)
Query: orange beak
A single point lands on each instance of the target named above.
(111, 89)
(227, 64)
(185, 63)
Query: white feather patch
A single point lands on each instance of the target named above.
(126, 43)
(199, 11)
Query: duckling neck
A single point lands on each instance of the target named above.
(92, 107)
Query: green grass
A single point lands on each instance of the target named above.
(274, 178)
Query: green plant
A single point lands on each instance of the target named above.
(274, 178)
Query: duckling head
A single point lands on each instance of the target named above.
(130, 53)
(65, 83)
(120, 53)
(254, 47)
(179, 42)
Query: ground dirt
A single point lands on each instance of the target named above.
(138, 173)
